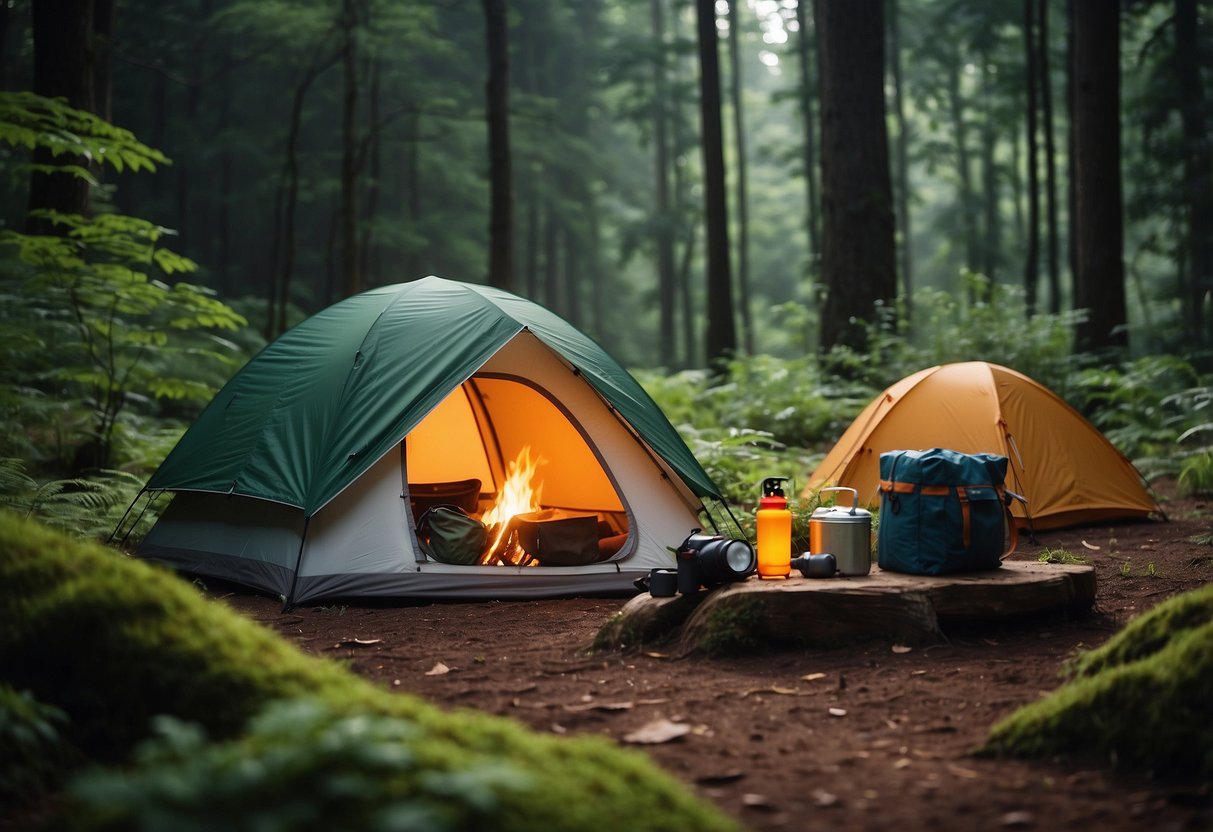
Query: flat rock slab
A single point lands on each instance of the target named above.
(828, 612)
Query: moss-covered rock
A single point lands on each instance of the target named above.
(114, 642)
(1144, 697)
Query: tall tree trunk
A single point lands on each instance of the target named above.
(551, 257)
(497, 93)
(103, 52)
(285, 203)
(63, 68)
(351, 276)
(903, 156)
(661, 178)
(992, 242)
(858, 252)
(964, 173)
(1099, 283)
(1046, 104)
(1032, 247)
(5, 17)
(225, 175)
(412, 188)
(374, 141)
(721, 336)
(804, 50)
(1198, 171)
(743, 217)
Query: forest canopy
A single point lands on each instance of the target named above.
(810, 199)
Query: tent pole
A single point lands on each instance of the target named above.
(126, 514)
(288, 601)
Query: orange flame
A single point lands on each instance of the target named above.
(517, 495)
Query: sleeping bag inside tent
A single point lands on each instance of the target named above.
(324, 467)
(1069, 473)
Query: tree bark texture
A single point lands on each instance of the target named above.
(743, 219)
(721, 337)
(804, 48)
(497, 93)
(903, 159)
(664, 219)
(351, 276)
(63, 68)
(1052, 227)
(1031, 260)
(858, 248)
(1198, 171)
(1099, 283)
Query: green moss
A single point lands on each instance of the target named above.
(1142, 698)
(731, 627)
(113, 642)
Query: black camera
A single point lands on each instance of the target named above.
(711, 560)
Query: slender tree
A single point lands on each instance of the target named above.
(1031, 262)
(1052, 229)
(804, 51)
(1198, 170)
(903, 155)
(664, 230)
(721, 337)
(351, 277)
(858, 247)
(1099, 282)
(743, 217)
(63, 68)
(497, 92)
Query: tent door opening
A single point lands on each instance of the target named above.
(507, 453)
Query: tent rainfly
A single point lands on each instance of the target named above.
(306, 474)
(1068, 471)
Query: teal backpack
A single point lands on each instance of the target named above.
(943, 511)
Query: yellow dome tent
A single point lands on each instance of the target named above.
(1068, 471)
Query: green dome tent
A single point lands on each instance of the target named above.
(306, 474)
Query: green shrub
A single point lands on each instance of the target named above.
(358, 772)
(35, 753)
(1142, 698)
(114, 642)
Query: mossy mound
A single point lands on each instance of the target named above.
(1142, 698)
(113, 642)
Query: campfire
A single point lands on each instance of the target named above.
(519, 494)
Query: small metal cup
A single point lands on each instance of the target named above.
(663, 583)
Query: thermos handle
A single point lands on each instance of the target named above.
(854, 494)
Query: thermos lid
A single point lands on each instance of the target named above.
(839, 514)
(842, 514)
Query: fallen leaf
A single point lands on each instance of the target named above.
(557, 728)
(812, 677)
(657, 731)
(756, 801)
(600, 706)
(653, 654)
(1018, 819)
(901, 648)
(902, 762)
(773, 689)
(651, 701)
(1091, 546)
(967, 773)
(438, 670)
(918, 673)
(838, 711)
(824, 799)
(720, 779)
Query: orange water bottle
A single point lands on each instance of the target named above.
(774, 530)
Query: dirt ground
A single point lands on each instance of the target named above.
(853, 738)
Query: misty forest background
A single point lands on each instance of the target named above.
(769, 209)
